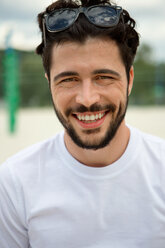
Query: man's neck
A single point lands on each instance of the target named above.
(101, 157)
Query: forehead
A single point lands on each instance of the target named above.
(90, 54)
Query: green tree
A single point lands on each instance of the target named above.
(146, 78)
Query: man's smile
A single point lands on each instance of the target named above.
(89, 116)
(90, 120)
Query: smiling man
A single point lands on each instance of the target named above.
(99, 183)
(90, 95)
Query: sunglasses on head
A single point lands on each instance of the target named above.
(100, 15)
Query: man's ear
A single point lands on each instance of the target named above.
(46, 76)
(131, 78)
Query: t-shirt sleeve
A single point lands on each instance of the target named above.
(13, 229)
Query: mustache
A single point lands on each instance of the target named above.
(92, 108)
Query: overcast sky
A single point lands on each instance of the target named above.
(20, 17)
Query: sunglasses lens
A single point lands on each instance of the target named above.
(60, 20)
(103, 16)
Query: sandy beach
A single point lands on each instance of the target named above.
(34, 125)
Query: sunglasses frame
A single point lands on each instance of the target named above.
(79, 10)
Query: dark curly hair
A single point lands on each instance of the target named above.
(124, 34)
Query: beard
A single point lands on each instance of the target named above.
(111, 130)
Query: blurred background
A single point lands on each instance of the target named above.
(26, 115)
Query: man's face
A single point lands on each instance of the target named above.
(89, 90)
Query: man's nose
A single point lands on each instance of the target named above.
(88, 94)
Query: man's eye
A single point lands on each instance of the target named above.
(68, 82)
(104, 77)
(104, 80)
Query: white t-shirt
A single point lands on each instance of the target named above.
(50, 200)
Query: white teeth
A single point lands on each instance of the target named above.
(90, 117)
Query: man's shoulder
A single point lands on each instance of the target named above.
(153, 140)
(27, 170)
(147, 137)
(151, 144)
(34, 154)
(150, 156)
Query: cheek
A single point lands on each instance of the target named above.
(62, 99)
(116, 94)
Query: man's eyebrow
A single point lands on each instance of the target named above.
(73, 73)
(65, 74)
(106, 71)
